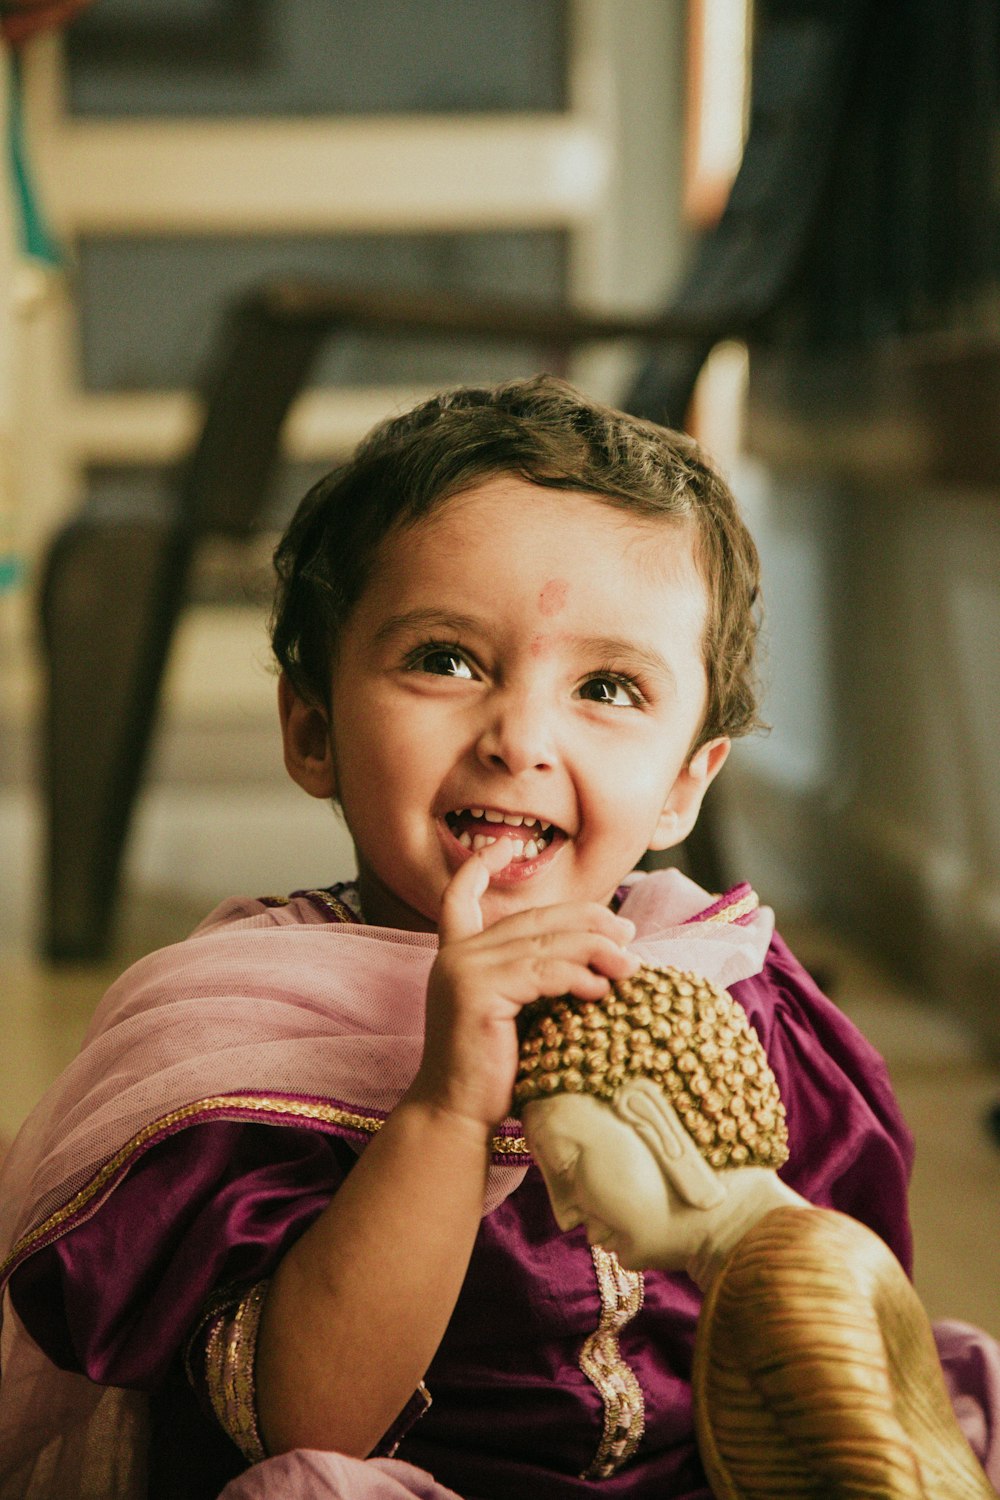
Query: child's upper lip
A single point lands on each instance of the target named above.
(512, 817)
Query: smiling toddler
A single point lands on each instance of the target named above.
(278, 1211)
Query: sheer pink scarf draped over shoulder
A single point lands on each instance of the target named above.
(264, 1014)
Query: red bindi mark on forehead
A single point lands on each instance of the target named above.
(553, 596)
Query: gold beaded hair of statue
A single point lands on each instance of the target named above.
(689, 1037)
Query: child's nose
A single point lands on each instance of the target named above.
(517, 734)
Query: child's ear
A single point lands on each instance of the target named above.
(306, 737)
(681, 809)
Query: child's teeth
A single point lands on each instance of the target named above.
(528, 849)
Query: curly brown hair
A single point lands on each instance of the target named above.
(544, 431)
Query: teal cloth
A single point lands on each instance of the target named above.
(34, 235)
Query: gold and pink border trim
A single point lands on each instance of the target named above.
(738, 906)
(269, 1109)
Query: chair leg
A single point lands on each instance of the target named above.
(110, 600)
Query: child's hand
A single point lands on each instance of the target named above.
(482, 978)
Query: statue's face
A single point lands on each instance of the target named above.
(600, 1174)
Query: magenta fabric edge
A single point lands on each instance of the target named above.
(735, 893)
(229, 1112)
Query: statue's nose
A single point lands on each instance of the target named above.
(568, 1216)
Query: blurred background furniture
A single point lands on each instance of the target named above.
(105, 665)
(539, 157)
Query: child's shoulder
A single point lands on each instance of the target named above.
(336, 903)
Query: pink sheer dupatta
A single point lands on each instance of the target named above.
(266, 1015)
(307, 1475)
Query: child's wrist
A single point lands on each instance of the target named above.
(444, 1121)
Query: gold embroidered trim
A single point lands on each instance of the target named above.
(301, 1109)
(425, 1400)
(509, 1145)
(735, 909)
(338, 908)
(602, 1363)
(295, 1108)
(230, 1355)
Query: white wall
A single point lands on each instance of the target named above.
(876, 798)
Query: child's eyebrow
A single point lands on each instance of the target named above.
(629, 654)
(425, 619)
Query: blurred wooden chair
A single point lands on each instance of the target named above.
(115, 584)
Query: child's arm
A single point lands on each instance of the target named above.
(358, 1306)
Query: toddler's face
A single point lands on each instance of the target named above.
(525, 664)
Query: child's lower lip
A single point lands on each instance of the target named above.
(512, 874)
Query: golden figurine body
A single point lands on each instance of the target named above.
(656, 1121)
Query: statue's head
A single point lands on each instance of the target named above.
(639, 1107)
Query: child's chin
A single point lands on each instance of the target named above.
(503, 901)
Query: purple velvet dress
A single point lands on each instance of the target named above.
(516, 1410)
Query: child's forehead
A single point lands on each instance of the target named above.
(504, 508)
(568, 560)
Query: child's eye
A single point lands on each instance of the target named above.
(609, 688)
(441, 661)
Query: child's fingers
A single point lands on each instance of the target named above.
(558, 974)
(567, 916)
(553, 964)
(585, 916)
(579, 963)
(461, 914)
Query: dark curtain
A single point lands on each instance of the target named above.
(905, 238)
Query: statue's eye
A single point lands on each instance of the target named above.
(563, 1163)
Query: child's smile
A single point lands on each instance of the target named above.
(525, 664)
(529, 837)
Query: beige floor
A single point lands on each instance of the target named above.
(945, 1089)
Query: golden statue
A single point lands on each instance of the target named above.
(656, 1121)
